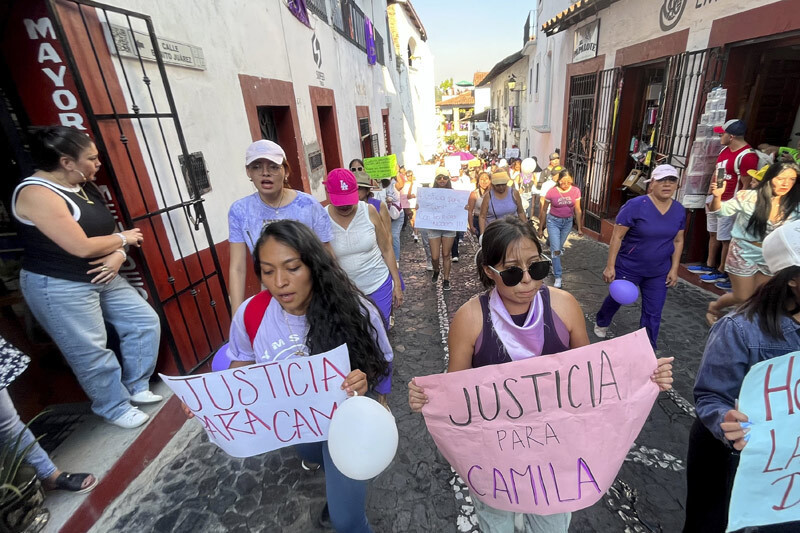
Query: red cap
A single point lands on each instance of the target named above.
(342, 187)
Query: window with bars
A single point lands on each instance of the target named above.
(348, 20)
(319, 8)
(363, 126)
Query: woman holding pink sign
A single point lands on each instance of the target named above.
(519, 317)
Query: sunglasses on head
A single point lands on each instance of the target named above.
(538, 270)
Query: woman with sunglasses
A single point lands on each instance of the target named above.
(441, 241)
(267, 168)
(509, 323)
(645, 249)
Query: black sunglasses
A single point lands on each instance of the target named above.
(356, 169)
(512, 276)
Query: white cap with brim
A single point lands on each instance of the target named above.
(781, 248)
(265, 149)
(662, 172)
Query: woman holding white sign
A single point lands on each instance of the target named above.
(441, 241)
(767, 325)
(508, 323)
(315, 308)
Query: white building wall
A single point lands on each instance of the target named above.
(502, 98)
(263, 39)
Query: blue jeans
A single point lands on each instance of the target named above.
(426, 244)
(397, 226)
(493, 520)
(347, 498)
(557, 232)
(11, 426)
(73, 314)
(654, 295)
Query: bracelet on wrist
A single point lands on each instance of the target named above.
(124, 255)
(123, 237)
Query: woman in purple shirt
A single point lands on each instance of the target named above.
(645, 249)
(519, 317)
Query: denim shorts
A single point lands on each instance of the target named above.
(438, 233)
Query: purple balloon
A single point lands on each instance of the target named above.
(221, 360)
(623, 291)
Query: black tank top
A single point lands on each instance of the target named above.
(45, 257)
(492, 352)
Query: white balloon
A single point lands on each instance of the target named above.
(528, 165)
(362, 438)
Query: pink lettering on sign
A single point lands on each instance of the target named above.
(258, 408)
(548, 434)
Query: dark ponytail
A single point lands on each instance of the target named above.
(50, 143)
(770, 301)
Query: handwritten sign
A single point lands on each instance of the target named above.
(254, 409)
(381, 167)
(548, 434)
(512, 152)
(425, 174)
(766, 489)
(441, 209)
(453, 164)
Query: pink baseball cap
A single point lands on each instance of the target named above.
(342, 187)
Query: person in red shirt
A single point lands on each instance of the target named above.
(735, 160)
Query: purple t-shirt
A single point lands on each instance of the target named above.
(248, 216)
(647, 246)
(562, 203)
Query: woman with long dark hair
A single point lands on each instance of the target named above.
(517, 318)
(476, 201)
(315, 308)
(774, 202)
(70, 276)
(767, 325)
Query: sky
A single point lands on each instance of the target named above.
(467, 36)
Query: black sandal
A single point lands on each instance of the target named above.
(74, 483)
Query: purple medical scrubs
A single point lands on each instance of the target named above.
(645, 258)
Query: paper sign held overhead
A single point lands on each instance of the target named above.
(548, 434)
(255, 409)
(442, 209)
(381, 167)
(766, 489)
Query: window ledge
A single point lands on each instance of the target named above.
(542, 129)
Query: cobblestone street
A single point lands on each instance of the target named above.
(194, 487)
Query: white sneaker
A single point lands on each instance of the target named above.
(455, 260)
(557, 283)
(416, 239)
(145, 397)
(429, 267)
(600, 331)
(133, 418)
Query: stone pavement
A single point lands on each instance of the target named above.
(195, 487)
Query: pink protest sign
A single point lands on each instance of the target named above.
(547, 434)
(254, 409)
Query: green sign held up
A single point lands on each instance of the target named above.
(381, 167)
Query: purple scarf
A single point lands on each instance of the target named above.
(519, 342)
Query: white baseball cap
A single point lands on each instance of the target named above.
(265, 149)
(663, 171)
(502, 163)
(781, 248)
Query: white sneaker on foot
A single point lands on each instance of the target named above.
(429, 267)
(145, 397)
(455, 259)
(600, 331)
(133, 418)
(557, 283)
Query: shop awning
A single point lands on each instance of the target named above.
(574, 14)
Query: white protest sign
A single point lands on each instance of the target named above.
(453, 164)
(255, 409)
(442, 209)
(425, 174)
(512, 152)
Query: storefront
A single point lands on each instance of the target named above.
(642, 102)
